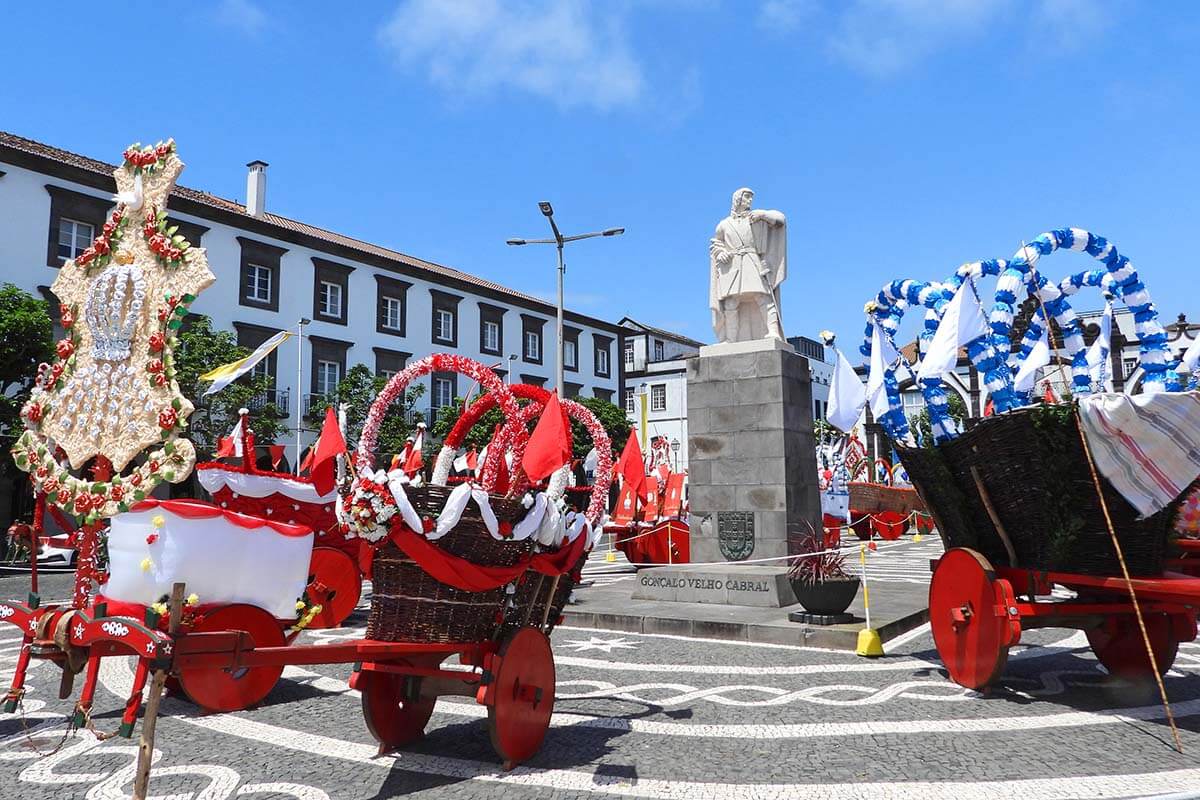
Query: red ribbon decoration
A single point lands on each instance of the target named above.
(471, 577)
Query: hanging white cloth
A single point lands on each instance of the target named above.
(847, 395)
(1039, 356)
(532, 520)
(876, 394)
(963, 322)
(456, 503)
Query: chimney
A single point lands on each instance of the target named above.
(256, 188)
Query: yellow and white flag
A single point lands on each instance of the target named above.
(226, 374)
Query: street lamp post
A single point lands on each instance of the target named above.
(559, 241)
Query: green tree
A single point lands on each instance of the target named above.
(611, 417)
(200, 349)
(480, 433)
(26, 340)
(358, 390)
(920, 421)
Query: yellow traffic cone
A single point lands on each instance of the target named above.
(869, 644)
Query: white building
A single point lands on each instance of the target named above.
(367, 304)
(820, 367)
(655, 365)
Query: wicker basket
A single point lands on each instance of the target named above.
(873, 498)
(1033, 468)
(410, 605)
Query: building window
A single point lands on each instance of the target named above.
(600, 354)
(531, 338)
(603, 394)
(260, 274)
(391, 312)
(491, 338)
(629, 360)
(491, 329)
(570, 359)
(659, 355)
(329, 374)
(629, 409)
(258, 283)
(445, 317)
(658, 397)
(1130, 364)
(331, 290)
(389, 362)
(443, 325)
(572, 390)
(330, 302)
(73, 237)
(75, 218)
(391, 305)
(443, 391)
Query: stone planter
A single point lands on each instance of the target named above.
(827, 597)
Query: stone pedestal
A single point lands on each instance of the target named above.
(752, 468)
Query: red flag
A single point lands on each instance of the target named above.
(225, 449)
(306, 462)
(473, 464)
(630, 465)
(414, 459)
(1048, 394)
(664, 472)
(329, 445)
(276, 451)
(990, 409)
(550, 444)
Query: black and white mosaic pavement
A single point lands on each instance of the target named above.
(658, 717)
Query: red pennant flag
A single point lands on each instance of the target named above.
(990, 409)
(664, 472)
(630, 465)
(414, 459)
(306, 462)
(473, 464)
(329, 445)
(550, 444)
(398, 458)
(1048, 396)
(276, 451)
(225, 449)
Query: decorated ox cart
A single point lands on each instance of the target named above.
(213, 599)
(1081, 497)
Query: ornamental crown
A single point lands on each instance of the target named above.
(113, 307)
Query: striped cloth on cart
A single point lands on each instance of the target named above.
(1146, 445)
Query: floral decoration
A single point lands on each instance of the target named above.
(148, 158)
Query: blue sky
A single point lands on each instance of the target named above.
(901, 137)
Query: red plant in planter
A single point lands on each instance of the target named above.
(828, 564)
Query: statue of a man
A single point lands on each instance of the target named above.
(748, 259)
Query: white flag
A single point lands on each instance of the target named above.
(876, 394)
(963, 322)
(460, 465)
(1097, 354)
(1038, 357)
(1191, 359)
(593, 458)
(847, 396)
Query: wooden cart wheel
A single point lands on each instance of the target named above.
(393, 707)
(1118, 645)
(218, 689)
(973, 616)
(338, 573)
(522, 696)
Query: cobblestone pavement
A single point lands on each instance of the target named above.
(655, 716)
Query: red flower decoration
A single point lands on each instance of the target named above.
(155, 366)
(83, 503)
(160, 380)
(173, 301)
(116, 216)
(33, 412)
(149, 229)
(153, 465)
(136, 480)
(152, 538)
(117, 493)
(64, 348)
(162, 317)
(109, 227)
(428, 524)
(157, 341)
(174, 254)
(50, 486)
(64, 496)
(163, 149)
(42, 471)
(100, 245)
(167, 419)
(506, 528)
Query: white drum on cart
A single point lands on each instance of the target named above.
(223, 557)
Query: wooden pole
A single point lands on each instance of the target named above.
(1137, 609)
(550, 599)
(141, 781)
(991, 511)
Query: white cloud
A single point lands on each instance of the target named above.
(781, 16)
(881, 37)
(569, 51)
(241, 15)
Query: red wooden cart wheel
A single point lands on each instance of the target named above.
(393, 718)
(1118, 644)
(889, 525)
(522, 696)
(217, 689)
(973, 617)
(861, 525)
(338, 573)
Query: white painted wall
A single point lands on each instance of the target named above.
(24, 230)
